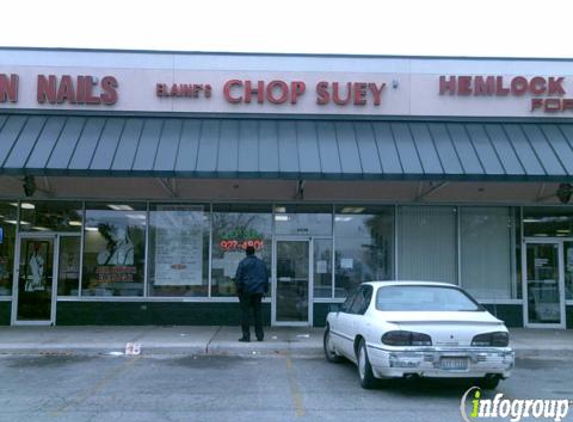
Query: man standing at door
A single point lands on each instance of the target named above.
(252, 282)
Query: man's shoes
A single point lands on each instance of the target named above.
(245, 339)
(260, 338)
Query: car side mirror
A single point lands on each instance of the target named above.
(334, 307)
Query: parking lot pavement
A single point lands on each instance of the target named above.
(209, 388)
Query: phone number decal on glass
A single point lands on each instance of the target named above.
(229, 245)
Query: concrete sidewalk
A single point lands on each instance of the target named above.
(156, 340)
(222, 341)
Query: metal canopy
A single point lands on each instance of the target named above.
(284, 149)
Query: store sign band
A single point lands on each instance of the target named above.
(546, 95)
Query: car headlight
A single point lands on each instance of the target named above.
(497, 339)
(406, 338)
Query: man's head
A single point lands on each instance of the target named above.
(250, 250)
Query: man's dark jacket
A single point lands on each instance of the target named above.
(252, 276)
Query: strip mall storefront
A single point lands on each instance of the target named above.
(132, 182)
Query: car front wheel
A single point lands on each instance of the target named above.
(367, 379)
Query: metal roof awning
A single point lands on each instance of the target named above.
(284, 149)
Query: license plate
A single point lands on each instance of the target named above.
(454, 364)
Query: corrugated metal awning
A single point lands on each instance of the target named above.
(264, 148)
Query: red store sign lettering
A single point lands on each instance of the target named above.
(83, 89)
(538, 87)
(280, 92)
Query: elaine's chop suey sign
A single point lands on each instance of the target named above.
(236, 91)
(290, 93)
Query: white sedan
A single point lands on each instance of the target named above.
(396, 329)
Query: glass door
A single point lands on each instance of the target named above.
(544, 278)
(34, 280)
(291, 304)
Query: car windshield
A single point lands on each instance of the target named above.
(424, 298)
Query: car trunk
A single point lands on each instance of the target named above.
(446, 328)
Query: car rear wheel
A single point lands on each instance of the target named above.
(367, 378)
(489, 382)
(329, 351)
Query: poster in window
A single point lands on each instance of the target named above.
(36, 258)
(179, 245)
(116, 261)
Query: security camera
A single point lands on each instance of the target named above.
(29, 185)
(564, 192)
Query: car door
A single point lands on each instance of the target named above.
(340, 326)
(359, 324)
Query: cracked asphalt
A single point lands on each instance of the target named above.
(78, 388)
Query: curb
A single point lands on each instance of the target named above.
(548, 354)
(154, 351)
(225, 351)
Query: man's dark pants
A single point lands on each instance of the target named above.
(251, 301)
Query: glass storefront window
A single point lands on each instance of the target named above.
(547, 222)
(235, 227)
(517, 218)
(8, 222)
(178, 260)
(322, 277)
(364, 245)
(58, 216)
(427, 239)
(114, 250)
(309, 220)
(568, 256)
(487, 252)
(69, 266)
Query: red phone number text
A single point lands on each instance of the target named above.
(229, 245)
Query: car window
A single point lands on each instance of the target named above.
(424, 298)
(367, 298)
(362, 300)
(345, 307)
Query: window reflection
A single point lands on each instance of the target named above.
(364, 241)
